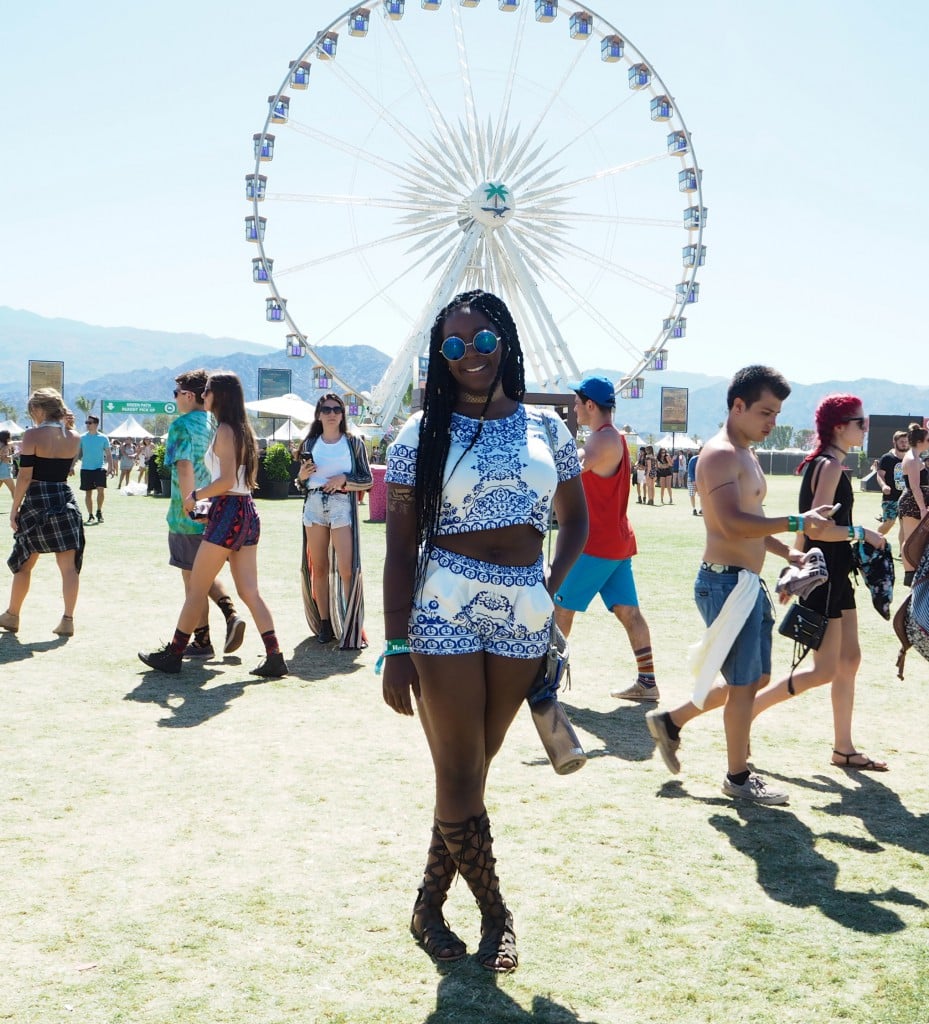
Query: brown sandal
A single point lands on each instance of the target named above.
(867, 765)
(428, 925)
(497, 949)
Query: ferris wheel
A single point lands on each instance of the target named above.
(418, 149)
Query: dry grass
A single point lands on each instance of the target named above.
(212, 848)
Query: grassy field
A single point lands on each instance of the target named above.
(217, 848)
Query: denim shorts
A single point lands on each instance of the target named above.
(467, 606)
(332, 510)
(749, 659)
(611, 578)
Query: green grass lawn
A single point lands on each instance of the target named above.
(213, 847)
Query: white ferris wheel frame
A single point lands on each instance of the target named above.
(551, 362)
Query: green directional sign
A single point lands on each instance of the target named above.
(137, 408)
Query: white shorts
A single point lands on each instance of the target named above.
(467, 606)
(332, 510)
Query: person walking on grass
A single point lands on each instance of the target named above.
(96, 465)
(605, 566)
(45, 516)
(692, 482)
(185, 448)
(840, 425)
(467, 606)
(732, 490)
(890, 477)
(232, 530)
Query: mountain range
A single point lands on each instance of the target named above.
(131, 363)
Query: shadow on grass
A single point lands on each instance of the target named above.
(877, 807)
(313, 661)
(792, 871)
(622, 731)
(12, 650)
(469, 994)
(186, 695)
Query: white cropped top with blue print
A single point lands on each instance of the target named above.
(507, 479)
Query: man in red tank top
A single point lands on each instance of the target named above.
(605, 567)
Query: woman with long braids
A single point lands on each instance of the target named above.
(232, 528)
(333, 472)
(467, 601)
(840, 424)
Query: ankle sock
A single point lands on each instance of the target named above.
(740, 778)
(179, 644)
(202, 636)
(226, 606)
(674, 731)
(645, 665)
(269, 639)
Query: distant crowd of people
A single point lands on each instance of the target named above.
(471, 602)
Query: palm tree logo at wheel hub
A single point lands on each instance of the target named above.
(491, 204)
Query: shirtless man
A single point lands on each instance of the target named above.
(732, 490)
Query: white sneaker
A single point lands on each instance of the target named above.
(755, 789)
(637, 692)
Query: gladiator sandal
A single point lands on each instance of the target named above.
(427, 925)
(471, 845)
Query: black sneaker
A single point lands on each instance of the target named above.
(99, 517)
(90, 521)
(165, 660)
(273, 666)
(195, 650)
(235, 630)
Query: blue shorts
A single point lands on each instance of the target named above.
(611, 578)
(749, 659)
(331, 510)
(889, 511)
(467, 606)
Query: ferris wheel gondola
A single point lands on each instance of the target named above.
(419, 150)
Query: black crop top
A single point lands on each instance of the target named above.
(48, 470)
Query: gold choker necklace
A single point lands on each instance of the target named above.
(468, 399)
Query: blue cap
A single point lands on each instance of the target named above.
(597, 389)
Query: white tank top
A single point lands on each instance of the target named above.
(330, 460)
(212, 464)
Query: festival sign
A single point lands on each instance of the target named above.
(46, 373)
(134, 407)
(674, 410)
(274, 383)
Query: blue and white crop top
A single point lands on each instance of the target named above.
(212, 464)
(507, 479)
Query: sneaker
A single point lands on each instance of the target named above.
(638, 691)
(90, 521)
(235, 630)
(99, 517)
(195, 650)
(658, 727)
(755, 789)
(165, 660)
(273, 666)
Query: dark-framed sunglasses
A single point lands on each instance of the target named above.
(484, 341)
(862, 421)
(330, 408)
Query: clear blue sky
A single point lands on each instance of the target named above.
(127, 130)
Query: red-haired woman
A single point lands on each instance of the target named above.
(840, 424)
(914, 496)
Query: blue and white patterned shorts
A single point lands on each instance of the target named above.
(467, 606)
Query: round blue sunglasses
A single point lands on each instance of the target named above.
(484, 341)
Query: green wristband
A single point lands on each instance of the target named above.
(795, 524)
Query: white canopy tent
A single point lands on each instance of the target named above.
(676, 441)
(286, 407)
(130, 427)
(13, 427)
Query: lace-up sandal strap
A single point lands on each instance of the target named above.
(497, 949)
